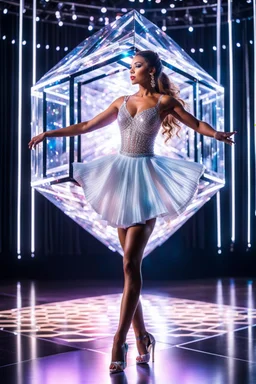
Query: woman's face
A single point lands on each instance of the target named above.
(139, 71)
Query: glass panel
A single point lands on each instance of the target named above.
(57, 116)
(208, 105)
(220, 127)
(36, 129)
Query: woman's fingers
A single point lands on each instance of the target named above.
(225, 137)
(35, 140)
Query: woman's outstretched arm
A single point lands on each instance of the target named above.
(174, 107)
(99, 121)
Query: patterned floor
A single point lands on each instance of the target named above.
(91, 318)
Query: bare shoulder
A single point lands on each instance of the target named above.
(118, 102)
(167, 101)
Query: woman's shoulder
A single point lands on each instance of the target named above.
(165, 99)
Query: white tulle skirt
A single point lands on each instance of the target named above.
(126, 190)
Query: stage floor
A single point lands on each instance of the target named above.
(61, 332)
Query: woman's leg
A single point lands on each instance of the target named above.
(135, 241)
(138, 320)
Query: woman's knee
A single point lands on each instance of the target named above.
(132, 266)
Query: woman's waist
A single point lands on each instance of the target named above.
(136, 154)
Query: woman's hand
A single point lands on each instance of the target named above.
(36, 140)
(225, 137)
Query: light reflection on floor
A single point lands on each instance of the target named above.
(92, 318)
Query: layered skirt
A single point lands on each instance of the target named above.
(127, 190)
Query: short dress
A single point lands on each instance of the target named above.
(135, 185)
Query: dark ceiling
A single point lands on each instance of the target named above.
(172, 14)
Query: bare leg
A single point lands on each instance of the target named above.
(135, 241)
(138, 320)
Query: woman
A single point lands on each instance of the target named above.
(131, 189)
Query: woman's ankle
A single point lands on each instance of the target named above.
(119, 339)
(140, 335)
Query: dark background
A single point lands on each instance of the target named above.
(65, 250)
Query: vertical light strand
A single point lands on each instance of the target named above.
(254, 91)
(33, 83)
(248, 125)
(218, 45)
(19, 128)
(231, 121)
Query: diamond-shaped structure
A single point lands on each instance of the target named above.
(83, 84)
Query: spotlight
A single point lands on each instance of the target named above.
(214, 48)
(66, 49)
(73, 10)
(92, 18)
(158, 1)
(124, 10)
(224, 46)
(191, 29)
(37, 18)
(238, 21)
(249, 1)
(201, 50)
(13, 41)
(238, 44)
(172, 5)
(251, 42)
(142, 11)
(47, 46)
(103, 10)
(132, 1)
(164, 28)
(4, 37)
(163, 10)
(60, 23)
(57, 48)
(24, 42)
(141, 1)
(192, 50)
(38, 45)
(5, 11)
(106, 20)
(57, 14)
(205, 1)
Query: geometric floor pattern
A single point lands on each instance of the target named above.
(91, 318)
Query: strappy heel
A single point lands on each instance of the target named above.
(119, 366)
(142, 359)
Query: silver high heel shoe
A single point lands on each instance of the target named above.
(142, 359)
(119, 366)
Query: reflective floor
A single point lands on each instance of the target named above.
(61, 332)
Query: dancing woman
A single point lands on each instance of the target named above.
(132, 188)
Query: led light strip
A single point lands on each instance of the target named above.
(254, 50)
(33, 83)
(248, 124)
(19, 128)
(218, 43)
(231, 122)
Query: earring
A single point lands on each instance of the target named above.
(152, 81)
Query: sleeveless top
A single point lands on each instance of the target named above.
(138, 133)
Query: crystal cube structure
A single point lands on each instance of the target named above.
(83, 84)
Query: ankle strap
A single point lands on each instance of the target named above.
(142, 337)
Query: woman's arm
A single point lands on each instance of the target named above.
(174, 107)
(99, 121)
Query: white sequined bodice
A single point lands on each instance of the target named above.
(138, 133)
